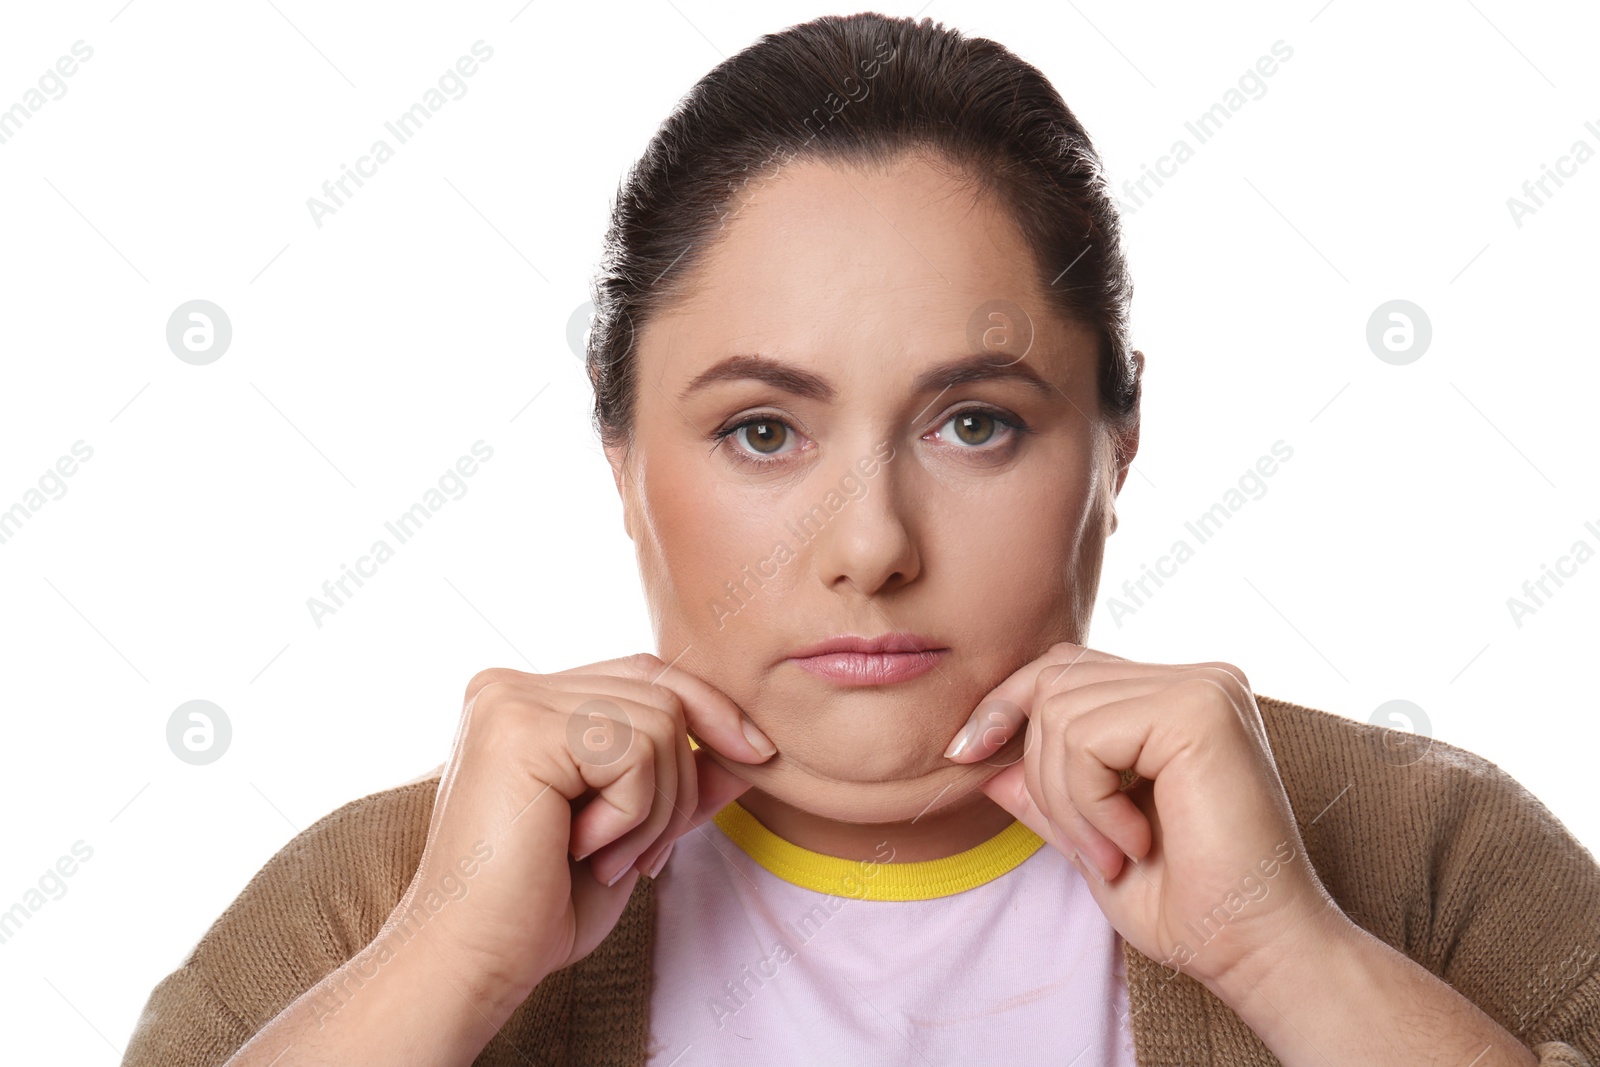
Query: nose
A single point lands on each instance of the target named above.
(867, 542)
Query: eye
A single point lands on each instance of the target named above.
(766, 436)
(973, 427)
(760, 435)
(977, 427)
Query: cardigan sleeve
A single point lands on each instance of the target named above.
(1516, 922)
(1450, 860)
(185, 1024)
(1579, 1019)
(316, 903)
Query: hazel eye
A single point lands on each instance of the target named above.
(973, 427)
(764, 436)
(982, 433)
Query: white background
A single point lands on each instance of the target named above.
(431, 312)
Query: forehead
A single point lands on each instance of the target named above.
(823, 260)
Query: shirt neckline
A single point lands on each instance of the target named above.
(872, 879)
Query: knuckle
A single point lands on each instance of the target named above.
(496, 708)
(490, 696)
(1214, 690)
(1057, 706)
(1074, 734)
(667, 701)
(490, 676)
(1227, 674)
(642, 750)
(1050, 680)
(642, 662)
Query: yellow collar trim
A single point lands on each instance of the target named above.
(873, 879)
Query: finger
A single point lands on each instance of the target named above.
(716, 786)
(496, 674)
(1009, 789)
(616, 747)
(613, 859)
(1001, 713)
(1069, 826)
(1097, 732)
(1081, 772)
(992, 723)
(683, 805)
(719, 787)
(715, 719)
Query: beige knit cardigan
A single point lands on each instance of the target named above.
(1448, 859)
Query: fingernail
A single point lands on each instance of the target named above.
(617, 877)
(661, 860)
(757, 739)
(962, 740)
(1088, 867)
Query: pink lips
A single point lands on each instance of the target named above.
(851, 660)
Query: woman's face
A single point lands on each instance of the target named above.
(881, 482)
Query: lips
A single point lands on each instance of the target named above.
(883, 660)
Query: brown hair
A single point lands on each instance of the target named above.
(861, 89)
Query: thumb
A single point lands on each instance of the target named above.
(718, 786)
(1009, 789)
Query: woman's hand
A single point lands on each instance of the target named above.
(591, 764)
(1204, 870)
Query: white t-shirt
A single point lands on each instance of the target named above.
(768, 953)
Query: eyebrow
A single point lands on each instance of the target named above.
(979, 367)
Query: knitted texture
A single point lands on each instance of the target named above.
(1432, 849)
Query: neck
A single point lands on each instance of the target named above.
(946, 832)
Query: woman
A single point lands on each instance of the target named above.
(862, 374)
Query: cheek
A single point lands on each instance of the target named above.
(1032, 532)
(710, 544)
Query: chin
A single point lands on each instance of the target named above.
(818, 790)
